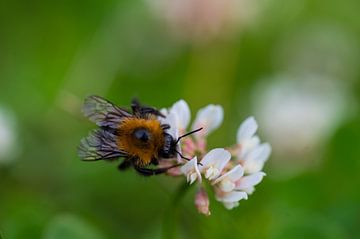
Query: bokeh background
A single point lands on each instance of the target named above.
(294, 65)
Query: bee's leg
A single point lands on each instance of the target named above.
(143, 111)
(124, 165)
(165, 126)
(155, 161)
(135, 106)
(151, 172)
(149, 110)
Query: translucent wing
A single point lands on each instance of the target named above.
(103, 112)
(100, 144)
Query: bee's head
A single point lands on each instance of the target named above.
(171, 145)
(168, 149)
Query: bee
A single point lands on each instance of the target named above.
(137, 136)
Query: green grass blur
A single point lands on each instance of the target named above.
(54, 53)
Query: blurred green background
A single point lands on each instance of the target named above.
(292, 64)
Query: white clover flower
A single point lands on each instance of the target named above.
(191, 171)
(214, 162)
(232, 180)
(227, 182)
(8, 147)
(203, 20)
(248, 183)
(299, 113)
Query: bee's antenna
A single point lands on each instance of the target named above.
(182, 156)
(187, 134)
(183, 136)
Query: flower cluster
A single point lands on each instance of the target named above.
(201, 20)
(8, 136)
(232, 172)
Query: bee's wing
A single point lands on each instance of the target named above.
(100, 144)
(103, 112)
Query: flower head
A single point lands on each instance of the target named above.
(232, 180)
(202, 20)
(8, 146)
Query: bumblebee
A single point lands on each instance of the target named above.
(137, 136)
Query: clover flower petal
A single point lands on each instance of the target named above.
(247, 130)
(209, 118)
(181, 112)
(248, 183)
(247, 139)
(231, 199)
(227, 182)
(254, 161)
(214, 162)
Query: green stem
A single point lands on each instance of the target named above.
(172, 213)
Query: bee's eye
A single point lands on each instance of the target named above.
(142, 135)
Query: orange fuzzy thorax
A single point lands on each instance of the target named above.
(133, 147)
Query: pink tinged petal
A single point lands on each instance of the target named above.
(174, 172)
(210, 118)
(201, 144)
(191, 171)
(254, 160)
(247, 129)
(181, 111)
(214, 162)
(188, 146)
(247, 183)
(171, 172)
(202, 202)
